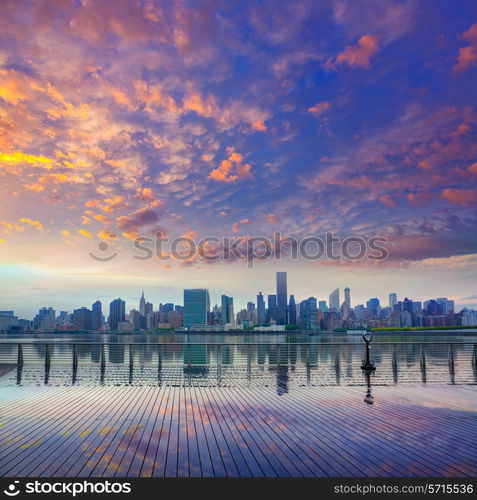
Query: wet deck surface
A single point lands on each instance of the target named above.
(201, 430)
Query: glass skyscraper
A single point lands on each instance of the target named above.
(282, 298)
(117, 313)
(196, 306)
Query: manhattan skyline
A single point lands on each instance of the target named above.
(132, 118)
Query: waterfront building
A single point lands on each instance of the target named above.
(117, 313)
(196, 306)
(282, 298)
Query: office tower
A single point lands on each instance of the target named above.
(196, 306)
(272, 309)
(407, 305)
(45, 320)
(228, 316)
(309, 314)
(251, 313)
(322, 306)
(261, 318)
(392, 300)
(282, 298)
(292, 311)
(416, 306)
(96, 316)
(446, 305)
(346, 305)
(82, 319)
(117, 313)
(334, 300)
(136, 319)
(142, 305)
(347, 299)
(372, 305)
(8, 320)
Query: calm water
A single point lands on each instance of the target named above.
(220, 338)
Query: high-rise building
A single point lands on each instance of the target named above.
(96, 316)
(346, 305)
(292, 311)
(392, 299)
(45, 319)
(261, 318)
(446, 305)
(196, 306)
(407, 305)
(334, 300)
(322, 306)
(82, 319)
(309, 314)
(142, 305)
(271, 317)
(117, 313)
(228, 316)
(282, 298)
(373, 305)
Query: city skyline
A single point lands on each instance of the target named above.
(236, 120)
(196, 308)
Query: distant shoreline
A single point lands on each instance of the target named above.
(442, 331)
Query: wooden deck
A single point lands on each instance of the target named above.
(167, 430)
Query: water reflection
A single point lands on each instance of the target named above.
(282, 365)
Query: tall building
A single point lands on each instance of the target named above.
(82, 319)
(45, 319)
(228, 316)
(309, 314)
(322, 306)
(261, 318)
(142, 305)
(334, 300)
(271, 317)
(346, 306)
(292, 311)
(117, 313)
(196, 306)
(96, 316)
(282, 298)
(392, 299)
(373, 305)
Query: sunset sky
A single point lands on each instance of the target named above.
(233, 118)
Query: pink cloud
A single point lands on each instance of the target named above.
(468, 55)
(320, 108)
(460, 196)
(359, 56)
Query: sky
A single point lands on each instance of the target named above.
(137, 118)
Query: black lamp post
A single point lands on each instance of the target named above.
(367, 363)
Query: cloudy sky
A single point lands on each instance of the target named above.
(208, 118)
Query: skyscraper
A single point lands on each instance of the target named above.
(334, 300)
(309, 314)
(117, 313)
(392, 299)
(346, 306)
(272, 309)
(292, 311)
(142, 305)
(282, 298)
(82, 319)
(227, 310)
(373, 305)
(260, 309)
(196, 306)
(96, 316)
